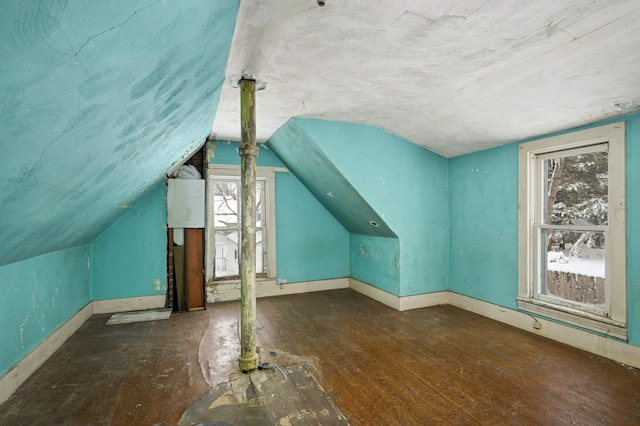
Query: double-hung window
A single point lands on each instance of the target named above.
(224, 232)
(572, 232)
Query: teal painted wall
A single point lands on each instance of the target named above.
(310, 243)
(405, 184)
(97, 101)
(374, 260)
(633, 227)
(319, 174)
(484, 224)
(368, 261)
(129, 258)
(37, 296)
(226, 152)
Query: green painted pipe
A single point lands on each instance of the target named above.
(248, 359)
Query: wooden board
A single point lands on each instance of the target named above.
(139, 316)
(178, 258)
(194, 261)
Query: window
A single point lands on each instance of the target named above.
(571, 229)
(223, 224)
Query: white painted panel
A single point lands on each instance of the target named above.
(140, 316)
(185, 203)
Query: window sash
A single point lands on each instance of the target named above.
(261, 255)
(263, 174)
(569, 152)
(538, 254)
(531, 197)
(539, 263)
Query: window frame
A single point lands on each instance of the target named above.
(229, 172)
(530, 195)
(237, 227)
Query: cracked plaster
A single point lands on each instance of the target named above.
(99, 100)
(452, 76)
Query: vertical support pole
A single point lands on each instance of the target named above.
(248, 153)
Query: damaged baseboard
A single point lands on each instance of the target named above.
(613, 349)
(24, 368)
(599, 345)
(127, 304)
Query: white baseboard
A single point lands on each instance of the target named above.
(267, 289)
(127, 304)
(599, 345)
(375, 293)
(400, 303)
(424, 300)
(230, 290)
(21, 371)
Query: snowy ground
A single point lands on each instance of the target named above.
(590, 262)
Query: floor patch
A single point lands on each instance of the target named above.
(140, 316)
(282, 396)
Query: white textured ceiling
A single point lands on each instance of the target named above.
(453, 76)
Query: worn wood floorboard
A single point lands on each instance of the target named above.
(437, 365)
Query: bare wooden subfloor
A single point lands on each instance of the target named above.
(437, 365)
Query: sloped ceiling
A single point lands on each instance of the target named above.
(303, 157)
(97, 101)
(453, 76)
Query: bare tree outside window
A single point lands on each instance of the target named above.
(577, 197)
(227, 228)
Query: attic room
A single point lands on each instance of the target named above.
(448, 212)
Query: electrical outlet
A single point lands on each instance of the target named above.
(536, 324)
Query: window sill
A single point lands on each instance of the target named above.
(233, 281)
(605, 326)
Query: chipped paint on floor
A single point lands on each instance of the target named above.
(271, 396)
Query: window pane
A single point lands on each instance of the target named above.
(226, 204)
(226, 215)
(574, 266)
(260, 252)
(227, 253)
(577, 189)
(259, 204)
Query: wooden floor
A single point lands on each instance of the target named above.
(437, 365)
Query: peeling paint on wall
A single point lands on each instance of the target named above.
(30, 308)
(136, 242)
(211, 150)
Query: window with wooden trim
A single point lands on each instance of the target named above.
(572, 229)
(224, 233)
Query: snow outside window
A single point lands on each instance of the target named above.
(226, 219)
(224, 238)
(572, 237)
